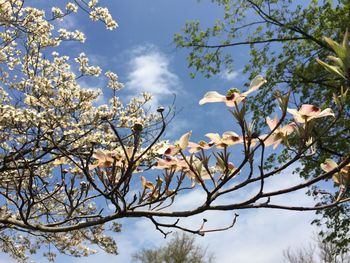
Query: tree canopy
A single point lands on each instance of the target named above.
(182, 248)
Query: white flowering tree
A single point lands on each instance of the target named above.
(70, 169)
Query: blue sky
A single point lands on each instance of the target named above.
(141, 51)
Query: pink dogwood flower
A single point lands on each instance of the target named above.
(308, 112)
(228, 138)
(198, 173)
(233, 95)
(168, 162)
(279, 134)
(342, 177)
(196, 147)
(104, 159)
(182, 165)
(180, 145)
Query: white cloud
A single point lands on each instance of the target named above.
(229, 75)
(176, 128)
(150, 72)
(6, 259)
(259, 236)
(68, 22)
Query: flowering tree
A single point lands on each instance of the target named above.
(69, 169)
(282, 39)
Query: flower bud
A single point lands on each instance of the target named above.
(160, 109)
(137, 127)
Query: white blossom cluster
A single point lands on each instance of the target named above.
(102, 13)
(50, 129)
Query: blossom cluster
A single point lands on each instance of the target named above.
(53, 133)
(175, 160)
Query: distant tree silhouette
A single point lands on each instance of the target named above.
(182, 248)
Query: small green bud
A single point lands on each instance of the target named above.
(231, 91)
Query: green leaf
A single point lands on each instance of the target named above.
(332, 69)
(338, 49)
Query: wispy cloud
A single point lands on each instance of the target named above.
(177, 127)
(69, 22)
(150, 72)
(230, 75)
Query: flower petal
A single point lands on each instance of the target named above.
(183, 142)
(328, 165)
(326, 112)
(214, 137)
(92, 166)
(267, 141)
(288, 129)
(212, 96)
(271, 122)
(297, 116)
(193, 147)
(59, 161)
(129, 151)
(256, 83)
(336, 178)
(293, 111)
(309, 110)
(146, 184)
(172, 150)
(99, 155)
(229, 134)
(231, 138)
(163, 148)
(276, 143)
